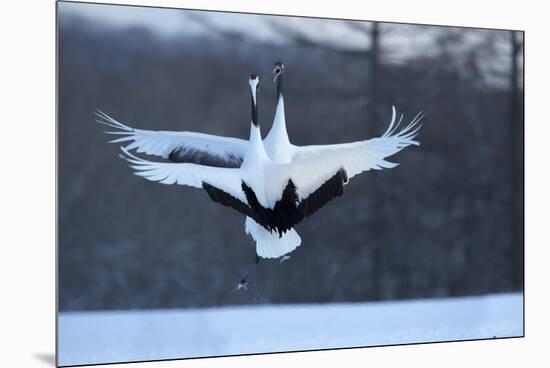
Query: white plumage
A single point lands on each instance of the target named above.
(354, 157)
(163, 143)
(266, 167)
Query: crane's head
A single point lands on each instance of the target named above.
(278, 70)
(253, 82)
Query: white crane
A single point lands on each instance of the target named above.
(275, 196)
(281, 150)
(216, 151)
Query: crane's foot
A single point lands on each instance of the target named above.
(284, 258)
(241, 285)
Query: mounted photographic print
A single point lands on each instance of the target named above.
(234, 183)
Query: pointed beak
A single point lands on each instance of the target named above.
(253, 83)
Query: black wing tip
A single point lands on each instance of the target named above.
(343, 174)
(332, 188)
(187, 155)
(220, 196)
(289, 210)
(173, 155)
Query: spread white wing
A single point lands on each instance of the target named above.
(313, 165)
(193, 175)
(198, 148)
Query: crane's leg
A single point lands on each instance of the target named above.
(244, 284)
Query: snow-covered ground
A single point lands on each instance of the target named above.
(115, 336)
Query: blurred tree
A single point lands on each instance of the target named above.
(374, 72)
(516, 149)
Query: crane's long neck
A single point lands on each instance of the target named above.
(256, 137)
(256, 151)
(280, 86)
(278, 131)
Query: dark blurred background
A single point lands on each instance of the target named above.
(447, 222)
